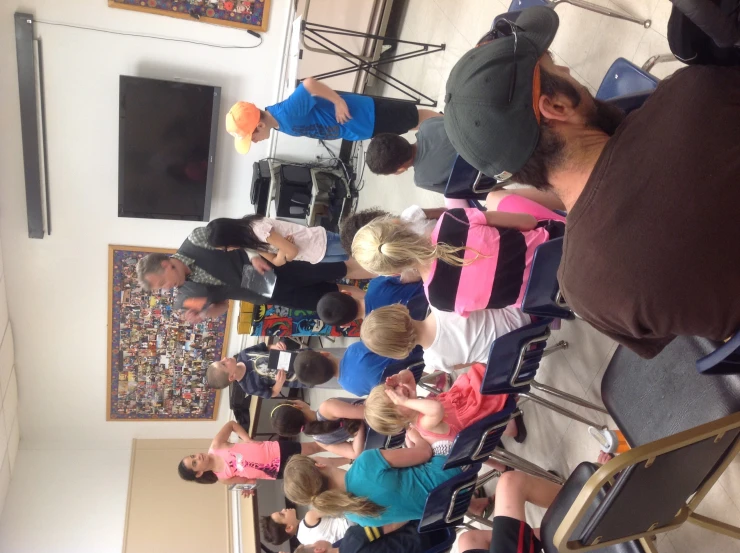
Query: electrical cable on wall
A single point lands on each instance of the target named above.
(155, 37)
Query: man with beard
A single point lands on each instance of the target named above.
(653, 202)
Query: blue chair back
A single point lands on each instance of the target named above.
(418, 307)
(476, 442)
(517, 5)
(624, 78)
(724, 360)
(375, 440)
(466, 182)
(447, 504)
(514, 359)
(542, 295)
(414, 362)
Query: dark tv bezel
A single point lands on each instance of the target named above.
(211, 152)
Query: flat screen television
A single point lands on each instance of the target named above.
(166, 147)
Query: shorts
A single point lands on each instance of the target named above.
(394, 116)
(334, 250)
(288, 448)
(512, 536)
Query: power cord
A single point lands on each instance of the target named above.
(155, 37)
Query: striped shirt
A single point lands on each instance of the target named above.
(497, 277)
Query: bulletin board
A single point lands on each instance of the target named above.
(156, 361)
(247, 14)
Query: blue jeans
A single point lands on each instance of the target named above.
(334, 251)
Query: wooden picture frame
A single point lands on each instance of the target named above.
(161, 359)
(204, 12)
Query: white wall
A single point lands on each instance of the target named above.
(71, 495)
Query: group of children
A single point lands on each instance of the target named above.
(446, 282)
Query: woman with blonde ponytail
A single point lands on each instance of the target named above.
(381, 487)
(473, 260)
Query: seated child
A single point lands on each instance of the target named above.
(421, 220)
(394, 406)
(390, 538)
(332, 425)
(249, 369)
(244, 462)
(341, 308)
(279, 527)
(380, 487)
(357, 372)
(449, 340)
(473, 260)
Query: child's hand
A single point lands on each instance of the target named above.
(280, 378)
(290, 239)
(397, 399)
(248, 493)
(302, 405)
(413, 437)
(392, 381)
(194, 317)
(341, 111)
(281, 346)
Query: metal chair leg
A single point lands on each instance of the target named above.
(603, 11)
(570, 414)
(562, 344)
(655, 60)
(508, 458)
(568, 397)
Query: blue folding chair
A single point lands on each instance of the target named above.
(447, 504)
(418, 307)
(517, 5)
(626, 85)
(542, 297)
(724, 360)
(481, 441)
(375, 440)
(467, 183)
(512, 367)
(443, 541)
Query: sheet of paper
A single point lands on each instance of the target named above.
(283, 363)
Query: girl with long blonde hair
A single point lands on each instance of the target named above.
(473, 259)
(381, 487)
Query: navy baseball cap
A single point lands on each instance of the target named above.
(490, 112)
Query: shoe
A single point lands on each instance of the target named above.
(521, 428)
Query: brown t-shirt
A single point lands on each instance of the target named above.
(652, 246)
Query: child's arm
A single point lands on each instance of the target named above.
(519, 221)
(432, 412)
(223, 435)
(316, 88)
(417, 452)
(269, 256)
(434, 213)
(344, 449)
(279, 381)
(287, 251)
(334, 409)
(354, 291)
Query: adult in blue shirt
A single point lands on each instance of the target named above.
(358, 371)
(342, 308)
(316, 111)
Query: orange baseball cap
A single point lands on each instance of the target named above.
(241, 121)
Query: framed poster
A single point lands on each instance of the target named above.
(247, 14)
(156, 361)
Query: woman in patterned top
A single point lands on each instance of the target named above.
(244, 462)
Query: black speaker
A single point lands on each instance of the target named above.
(294, 197)
(260, 186)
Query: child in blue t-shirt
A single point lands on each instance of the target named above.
(342, 308)
(316, 111)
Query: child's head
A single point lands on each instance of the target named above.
(314, 367)
(280, 526)
(226, 234)
(389, 154)
(321, 546)
(305, 484)
(382, 415)
(353, 223)
(289, 421)
(197, 468)
(389, 331)
(337, 308)
(220, 373)
(386, 246)
(246, 123)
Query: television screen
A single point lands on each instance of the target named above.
(166, 146)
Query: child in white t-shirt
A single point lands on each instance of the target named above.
(280, 526)
(450, 341)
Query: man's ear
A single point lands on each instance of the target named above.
(557, 108)
(232, 377)
(164, 264)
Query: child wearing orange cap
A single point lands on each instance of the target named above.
(316, 111)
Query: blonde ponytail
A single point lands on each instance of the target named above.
(305, 485)
(389, 331)
(382, 415)
(388, 246)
